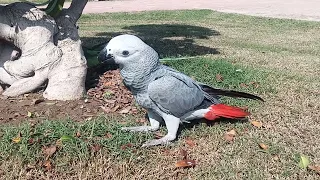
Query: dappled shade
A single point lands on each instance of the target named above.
(169, 40)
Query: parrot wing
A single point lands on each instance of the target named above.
(175, 95)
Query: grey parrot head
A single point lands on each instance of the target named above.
(126, 50)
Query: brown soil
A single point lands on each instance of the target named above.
(108, 95)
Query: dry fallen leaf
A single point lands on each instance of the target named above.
(185, 163)
(78, 134)
(256, 124)
(108, 135)
(315, 168)
(95, 148)
(275, 157)
(125, 110)
(219, 78)
(30, 114)
(190, 142)
(232, 132)
(115, 108)
(263, 146)
(230, 135)
(125, 146)
(49, 151)
(17, 139)
(31, 141)
(47, 165)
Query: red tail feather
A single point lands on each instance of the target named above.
(222, 110)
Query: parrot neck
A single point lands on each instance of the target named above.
(137, 79)
(138, 75)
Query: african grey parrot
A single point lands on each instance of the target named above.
(165, 93)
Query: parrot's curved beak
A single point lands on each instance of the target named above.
(105, 57)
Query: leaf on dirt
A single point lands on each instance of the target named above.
(49, 151)
(95, 148)
(37, 101)
(126, 146)
(303, 161)
(256, 124)
(185, 163)
(219, 78)
(29, 114)
(47, 165)
(315, 168)
(263, 146)
(17, 139)
(230, 135)
(190, 142)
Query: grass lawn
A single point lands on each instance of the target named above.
(274, 58)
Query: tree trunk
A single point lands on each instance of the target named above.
(37, 49)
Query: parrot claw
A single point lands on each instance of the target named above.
(139, 128)
(163, 141)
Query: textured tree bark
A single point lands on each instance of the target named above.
(37, 49)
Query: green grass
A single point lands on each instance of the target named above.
(47, 133)
(282, 56)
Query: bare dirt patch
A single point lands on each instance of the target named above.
(106, 95)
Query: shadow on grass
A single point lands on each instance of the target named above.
(169, 40)
(197, 122)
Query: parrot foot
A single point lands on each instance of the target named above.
(163, 141)
(140, 128)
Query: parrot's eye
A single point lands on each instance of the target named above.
(125, 53)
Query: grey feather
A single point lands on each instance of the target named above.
(170, 93)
